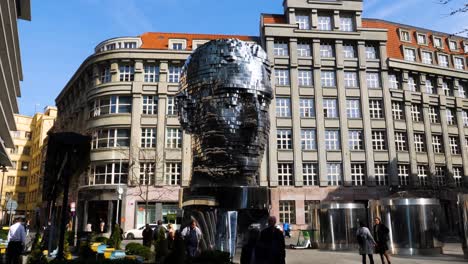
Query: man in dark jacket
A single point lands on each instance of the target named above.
(271, 246)
(381, 235)
(147, 236)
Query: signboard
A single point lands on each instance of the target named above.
(11, 205)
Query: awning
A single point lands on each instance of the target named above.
(4, 159)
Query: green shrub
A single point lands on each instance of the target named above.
(3, 234)
(116, 237)
(213, 257)
(101, 239)
(36, 256)
(138, 249)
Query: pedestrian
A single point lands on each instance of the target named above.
(147, 236)
(248, 250)
(46, 236)
(158, 228)
(102, 225)
(271, 246)
(16, 242)
(286, 230)
(178, 252)
(192, 236)
(381, 236)
(366, 243)
(170, 235)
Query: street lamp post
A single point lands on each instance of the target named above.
(4, 170)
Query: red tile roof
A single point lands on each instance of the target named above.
(273, 19)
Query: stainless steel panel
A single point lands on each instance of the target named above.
(463, 205)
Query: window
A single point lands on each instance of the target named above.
(328, 78)
(14, 150)
(310, 175)
(16, 134)
(459, 63)
(130, 45)
(332, 140)
(329, 108)
(451, 117)
(400, 141)
(171, 109)
(307, 107)
(438, 42)
(28, 135)
(110, 138)
(308, 139)
(465, 47)
(351, 79)
(457, 176)
(422, 39)
(324, 22)
(283, 107)
(110, 46)
(454, 148)
(446, 89)
(393, 81)
(127, 73)
(280, 48)
(453, 45)
(419, 142)
(416, 115)
(412, 84)
(373, 80)
(287, 212)
(376, 109)
(371, 52)
(11, 181)
(172, 175)
(379, 140)
(303, 20)
(284, 139)
(462, 90)
(151, 73)
(104, 74)
(355, 139)
(422, 175)
(358, 174)
(150, 105)
(174, 73)
(439, 176)
(405, 36)
(305, 77)
(110, 173)
(443, 60)
(285, 174)
(397, 110)
(334, 174)
(346, 23)
(437, 144)
(430, 89)
(326, 50)
(282, 77)
(434, 114)
(177, 46)
(311, 212)
(26, 151)
(353, 108)
(14, 164)
(21, 197)
(410, 54)
(465, 118)
(426, 57)
(116, 104)
(349, 51)
(148, 137)
(147, 170)
(403, 175)
(381, 176)
(173, 138)
(303, 49)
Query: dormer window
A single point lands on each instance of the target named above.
(453, 45)
(177, 44)
(422, 39)
(405, 36)
(438, 42)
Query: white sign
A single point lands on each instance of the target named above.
(11, 205)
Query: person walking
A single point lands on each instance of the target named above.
(287, 230)
(16, 242)
(147, 236)
(271, 247)
(366, 243)
(248, 250)
(192, 236)
(170, 235)
(381, 235)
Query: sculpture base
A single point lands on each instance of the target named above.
(225, 214)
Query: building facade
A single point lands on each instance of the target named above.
(11, 72)
(123, 97)
(363, 109)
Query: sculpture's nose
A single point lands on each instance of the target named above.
(251, 114)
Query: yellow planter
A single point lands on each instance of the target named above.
(2, 249)
(108, 252)
(45, 252)
(94, 246)
(68, 256)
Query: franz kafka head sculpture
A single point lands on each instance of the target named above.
(224, 96)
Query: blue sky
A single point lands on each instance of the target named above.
(63, 33)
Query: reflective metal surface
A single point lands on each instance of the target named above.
(339, 223)
(224, 97)
(414, 224)
(463, 205)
